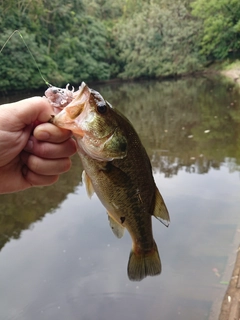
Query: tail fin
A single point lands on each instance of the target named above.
(143, 265)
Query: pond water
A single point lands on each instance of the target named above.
(58, 256)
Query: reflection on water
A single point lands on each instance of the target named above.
(59, 259)
(19, 210)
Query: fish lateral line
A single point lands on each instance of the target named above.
(30, 52)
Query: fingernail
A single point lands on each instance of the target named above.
(29, 145)
(42, 135)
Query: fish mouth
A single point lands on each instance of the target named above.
(66, 118)
(63, 120)
(76, 117)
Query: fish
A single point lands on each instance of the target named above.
(118, 169)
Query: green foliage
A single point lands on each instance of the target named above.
(162, 41)
(104, 10)
(83, 57)
(76, 40)
(68, 45)
(221, 31)
(17, 69)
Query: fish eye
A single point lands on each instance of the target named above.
(102, 108)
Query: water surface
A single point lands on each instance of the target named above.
(58, 256)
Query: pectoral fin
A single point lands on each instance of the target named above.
(117, 229)
(88, 184)
(160, 211)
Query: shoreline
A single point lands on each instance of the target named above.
(233, 74)
(229, 306)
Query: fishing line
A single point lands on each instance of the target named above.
(11, 35)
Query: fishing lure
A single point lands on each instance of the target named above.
(60, 97)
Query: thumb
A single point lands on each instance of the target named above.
(25, 112)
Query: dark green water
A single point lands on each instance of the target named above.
(58, 257)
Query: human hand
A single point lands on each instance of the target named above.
(31, 156)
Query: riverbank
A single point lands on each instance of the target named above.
(232, 71)
(230, 306)
(233, 74)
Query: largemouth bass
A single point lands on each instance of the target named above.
(117, 168)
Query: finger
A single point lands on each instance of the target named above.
(35, 179)
(51, 133)
(48, 150)
(46, 167)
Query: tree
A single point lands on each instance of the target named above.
(17, 69)
(83, 55)
(161, 40)
(68, 45)
(221, 27)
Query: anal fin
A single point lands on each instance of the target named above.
(116, 227)
(160, 211)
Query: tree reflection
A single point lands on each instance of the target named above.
(19, 210)
(188, 123)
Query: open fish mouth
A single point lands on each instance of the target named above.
(66, 118)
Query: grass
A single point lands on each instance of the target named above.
(227, 65)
